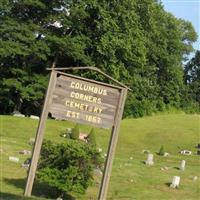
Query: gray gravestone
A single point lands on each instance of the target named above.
(175, 182)
(182, 167)
(149, 160)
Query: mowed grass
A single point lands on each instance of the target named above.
(131, 178)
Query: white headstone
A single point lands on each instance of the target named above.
(175, 182)
(19, 115)
(194, 178)
(34, 117)
(182, 167)
(59, 198)
(31, 141)
(13, 159)
(149, 160)
(166, 154)
(186, 152)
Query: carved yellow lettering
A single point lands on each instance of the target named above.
(93, 119)
(72, 114)
(72, 84)
(99, 100)
(72, 94)
(105, 92)
(67, 103)
(97, 110)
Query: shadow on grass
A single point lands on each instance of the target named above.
(40, 190)
(177, 168)
(168, 184)
(7, 196)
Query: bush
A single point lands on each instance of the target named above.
(162, 151)
(67, 167)
(91, 137)
(75, 132)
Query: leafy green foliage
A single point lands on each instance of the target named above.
(161, 151)
(75, 132)
(68, 167)
(190, 101)
(91, 137)
(137, 42)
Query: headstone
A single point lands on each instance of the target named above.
(149, 160)
(194, 178)
(182, 167)
(31, 141)
(34, 117)
(18, 115)
(25, 152)
(13, 159)
(175, 182)
(186, 152)
(25, 166)
(164, 168)
(166, 154)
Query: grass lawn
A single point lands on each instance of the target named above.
(131, 178)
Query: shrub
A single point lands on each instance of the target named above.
(91, 137)
(68, 166)
(75, 132)
(162, 151)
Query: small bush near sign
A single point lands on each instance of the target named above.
(68, 167)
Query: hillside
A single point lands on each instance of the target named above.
(131, 178)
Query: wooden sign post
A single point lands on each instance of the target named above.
(83, 101)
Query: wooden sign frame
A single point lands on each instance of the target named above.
(41, 127)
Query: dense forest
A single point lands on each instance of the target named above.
(136, 42)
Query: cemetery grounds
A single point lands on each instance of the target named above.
(131, 178)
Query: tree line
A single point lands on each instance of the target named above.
(136, 42)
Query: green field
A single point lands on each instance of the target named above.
(131, 178)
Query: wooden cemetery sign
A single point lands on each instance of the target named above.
(83, 101)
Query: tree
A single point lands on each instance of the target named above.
(31, 38)
(91, 138)
(75, 132)
(137, 42)
(192, 81)
(161, 151)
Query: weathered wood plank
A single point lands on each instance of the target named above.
(62, 80)
(39, 135)
(112, 147)
(84, 101)
(84, 106)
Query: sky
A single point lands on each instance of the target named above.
(188, 10)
